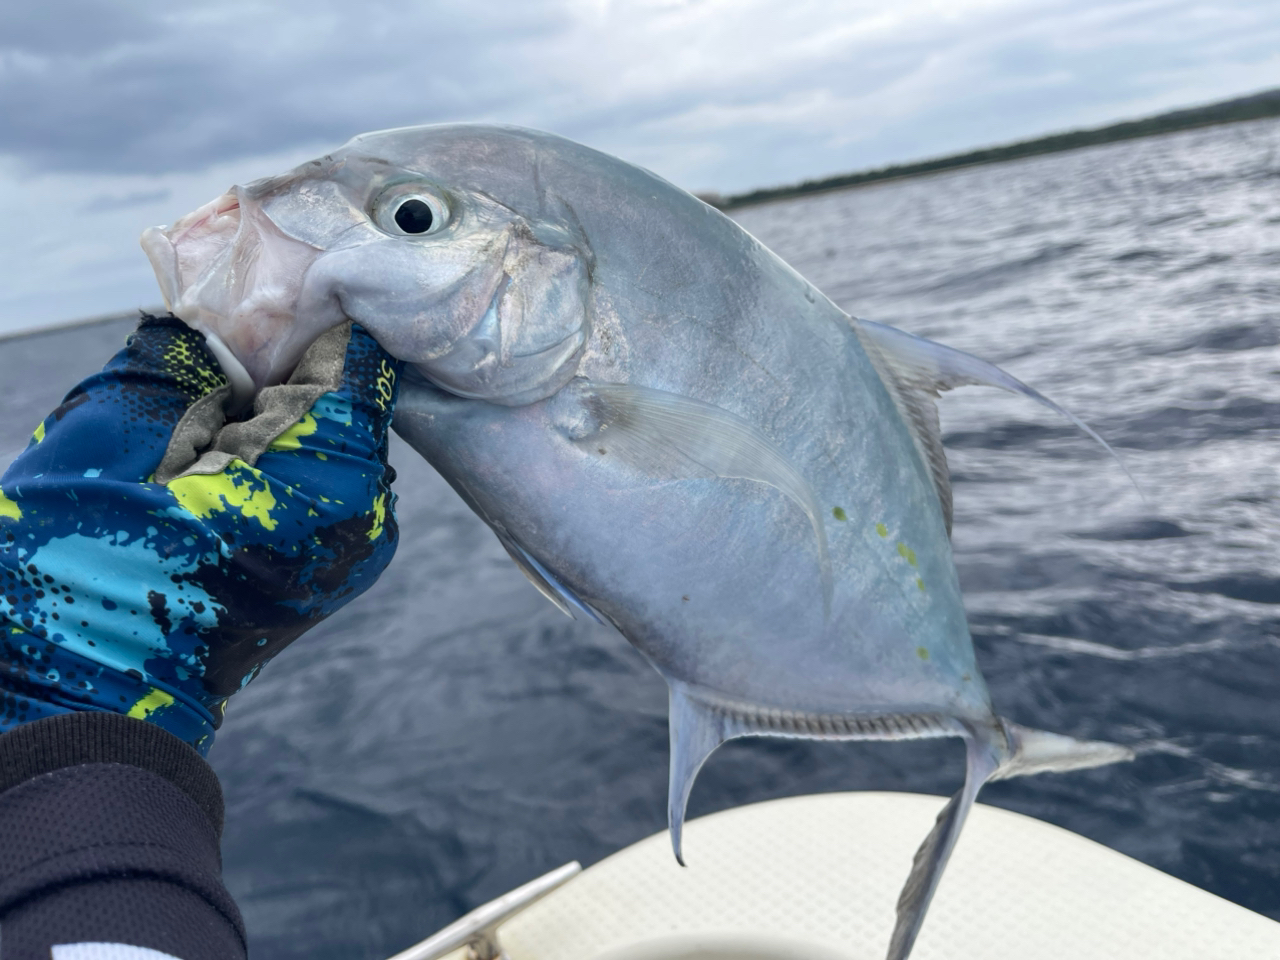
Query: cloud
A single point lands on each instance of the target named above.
(145, 86)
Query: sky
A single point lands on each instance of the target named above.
(120, 114)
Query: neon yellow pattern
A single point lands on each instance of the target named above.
(149, 704)
(190, 369)
(379, 517)
(240, 488)
(291, 439)
(9, 509)
(38, 436)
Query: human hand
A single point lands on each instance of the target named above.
(154, 556)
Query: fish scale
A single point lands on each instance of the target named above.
(666, 426)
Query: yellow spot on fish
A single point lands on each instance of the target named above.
(150, 703)
(239, 487)
(38, 436)
(839, 514)
(291, 439)
(379, 517)
(922, 653)
(882, 529)
(920, 583)
(907, 554)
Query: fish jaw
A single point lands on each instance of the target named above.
(228, 271)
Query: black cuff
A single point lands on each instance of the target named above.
(109, 834)
(91, 736)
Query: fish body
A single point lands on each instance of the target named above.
(668, 428)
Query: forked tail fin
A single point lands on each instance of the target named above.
(1038, 751)
(1023, 752)
(931, 859)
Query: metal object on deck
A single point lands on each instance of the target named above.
(478, 930)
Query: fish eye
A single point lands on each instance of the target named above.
(414, 214)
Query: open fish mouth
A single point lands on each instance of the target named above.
(227, 270)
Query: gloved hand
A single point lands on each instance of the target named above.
(153, 556)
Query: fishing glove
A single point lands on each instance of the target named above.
(155, 554)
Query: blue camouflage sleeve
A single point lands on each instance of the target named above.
(160, 600)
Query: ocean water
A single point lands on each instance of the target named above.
(450, 735)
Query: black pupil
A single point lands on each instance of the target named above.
(414, 216)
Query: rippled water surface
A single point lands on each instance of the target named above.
(450, 735)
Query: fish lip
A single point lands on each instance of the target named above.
(163, 256)
(219, 268)
(160, 244)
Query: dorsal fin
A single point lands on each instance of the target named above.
(914, 396)
(916, 371)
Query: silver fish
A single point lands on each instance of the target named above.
(666, 426)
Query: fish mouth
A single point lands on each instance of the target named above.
(228, 271)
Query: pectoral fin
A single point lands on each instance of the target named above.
(916, 370)
(671, 437)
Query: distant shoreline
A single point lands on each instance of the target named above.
(1254, 107)
(58, 326)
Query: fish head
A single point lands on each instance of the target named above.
(451, 257)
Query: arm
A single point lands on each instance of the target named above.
(152, 558)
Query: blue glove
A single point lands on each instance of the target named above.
(153, 556)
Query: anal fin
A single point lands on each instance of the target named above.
(696, 730)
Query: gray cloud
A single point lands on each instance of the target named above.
(727, 94)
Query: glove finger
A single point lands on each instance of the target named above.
(339, 448)
(117, 424)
